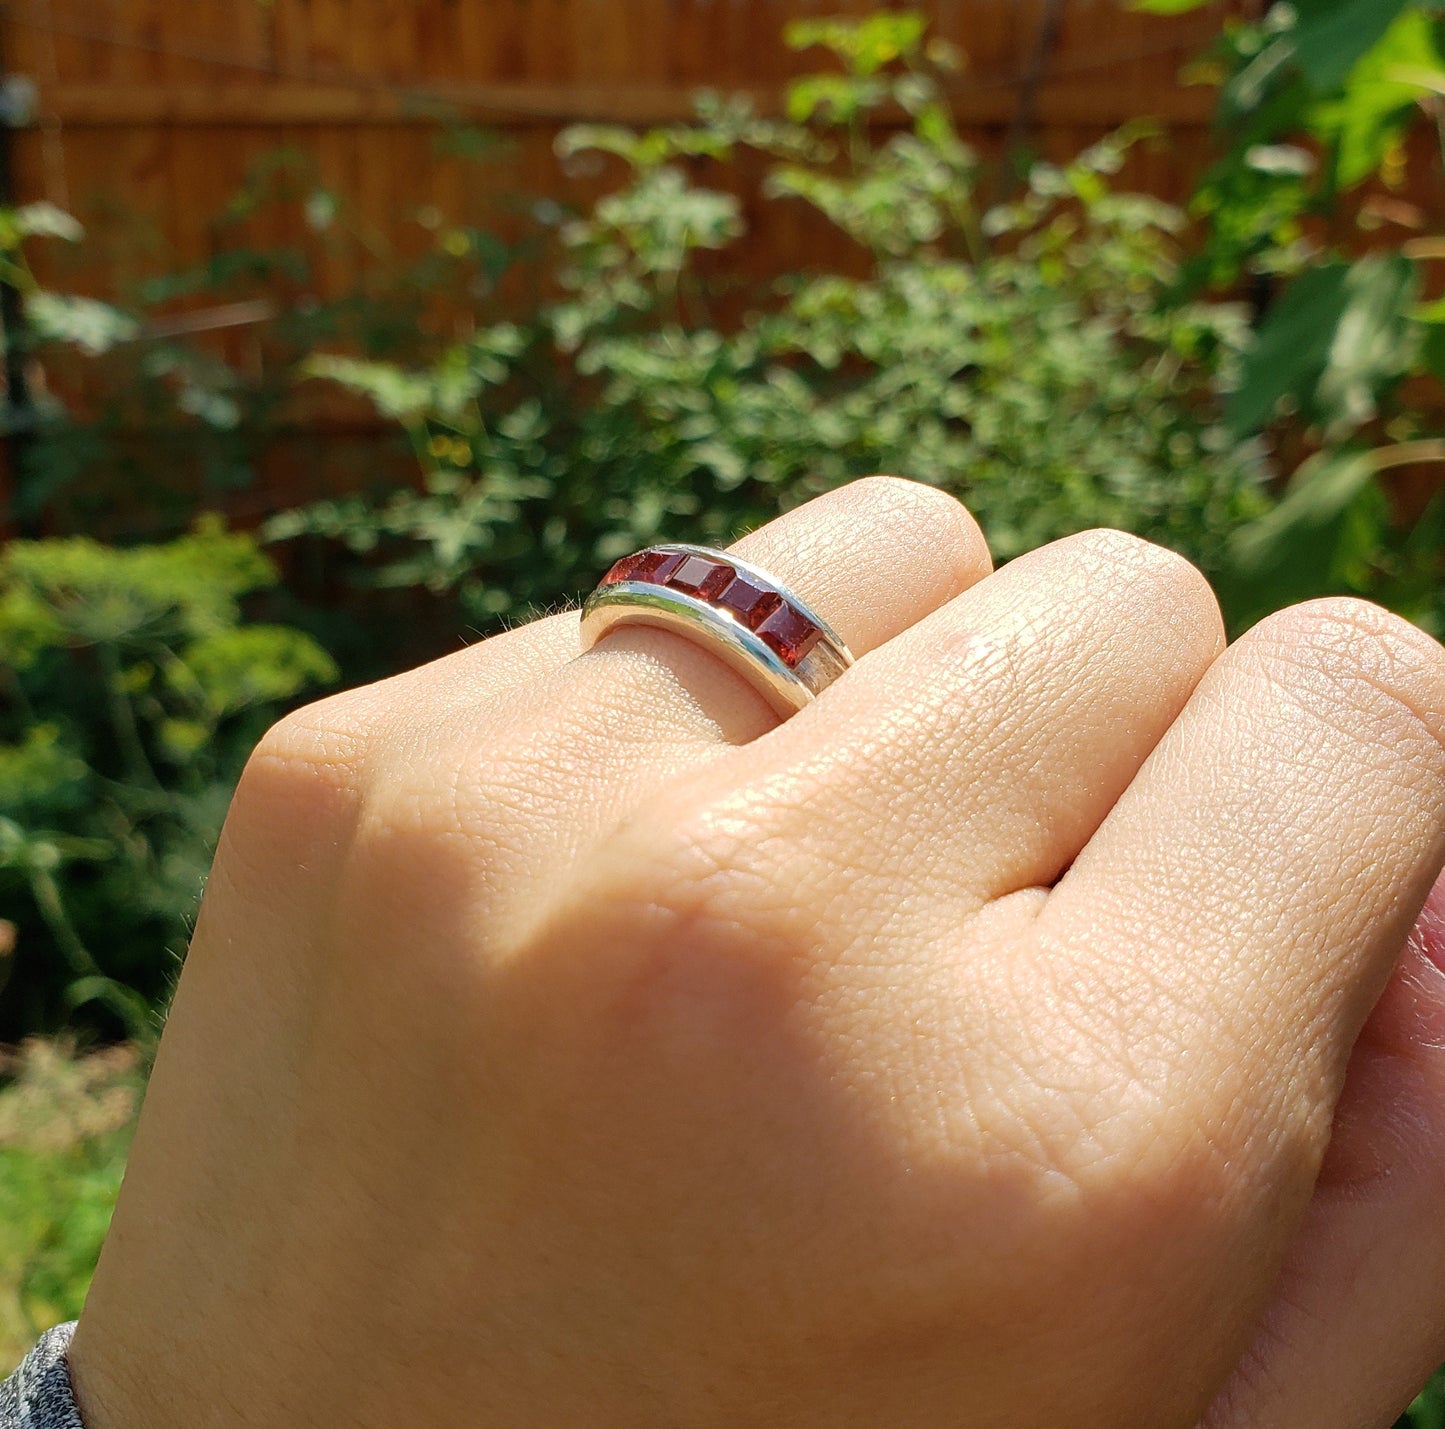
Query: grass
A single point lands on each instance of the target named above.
(65, 1126)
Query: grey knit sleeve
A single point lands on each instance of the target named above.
(37, 1395)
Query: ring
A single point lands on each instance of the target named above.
(784, 649)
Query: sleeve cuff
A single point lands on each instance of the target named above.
(38, 1394)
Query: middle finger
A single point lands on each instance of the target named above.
(975, 754)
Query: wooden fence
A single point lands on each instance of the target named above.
(162, 108)
(149, 114)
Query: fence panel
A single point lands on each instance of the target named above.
(156, 103)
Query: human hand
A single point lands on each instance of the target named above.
(563, 1044)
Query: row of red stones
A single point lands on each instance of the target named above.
(782, 628)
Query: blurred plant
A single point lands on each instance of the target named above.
(1022, 356)
(65, 1126)
(34, 318)
(1428, 1410)
(177, 395)
(92, 326)
(1325, 108)
(131, 690)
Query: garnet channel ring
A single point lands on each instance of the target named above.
(739, 613)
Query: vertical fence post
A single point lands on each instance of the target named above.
(19, 409)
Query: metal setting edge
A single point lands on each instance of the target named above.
(641, 603)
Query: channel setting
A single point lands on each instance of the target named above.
(786, 650)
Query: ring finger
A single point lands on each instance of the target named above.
(539, 768)
(973, 756)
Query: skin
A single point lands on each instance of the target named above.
(1041, 1028)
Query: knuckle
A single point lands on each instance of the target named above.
(1351, 623)
(1134, 556)
(302, 787)
(1346, 653)
(1160, 580)
(320, 741)
(887, 490)
(903, 502)
(1109, 545)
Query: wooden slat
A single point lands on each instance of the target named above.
(102, 106)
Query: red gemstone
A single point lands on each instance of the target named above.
(696, 575)
(751, 604)
(628, 567)
(789, 633)
(654, 567)
(667, 564)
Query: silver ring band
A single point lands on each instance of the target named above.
(778, 643)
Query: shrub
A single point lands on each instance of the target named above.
(133, 688)
(1023, 355)
(1324, 110)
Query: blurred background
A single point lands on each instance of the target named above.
(338, 333)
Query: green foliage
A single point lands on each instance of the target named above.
(1331, 36)
(1428, 1411)
(92, 326)
(131, 688)
(1323, 102)
(1025, 356)
(1340, 132)
(56, 318)
(1368, 117)
(65, 1126)
(864, 46)
(212, 406)
(1335, 342)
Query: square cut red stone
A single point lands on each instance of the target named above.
(701, 577)
(632, 567)
(751, 604)
(669, 561)
(651, 566)
(789, 633)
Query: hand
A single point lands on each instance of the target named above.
(562, 1044)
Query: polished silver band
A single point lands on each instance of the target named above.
(778, 643)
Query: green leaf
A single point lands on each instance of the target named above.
(92, 326)
(45, 220)
(1375, 342)
(1280, 159)
(1312, 543)
(1167, 7)
(1332, 35)
(321, 208)
(395, 392)
(1377, 103)
(74, 591)
(254, 664)
(1291, 348)
(1268, 78)
(865, 46)
(40, 772)
(1337, 340)
(1432, 349)
(1428, 1409)
(837, 98)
